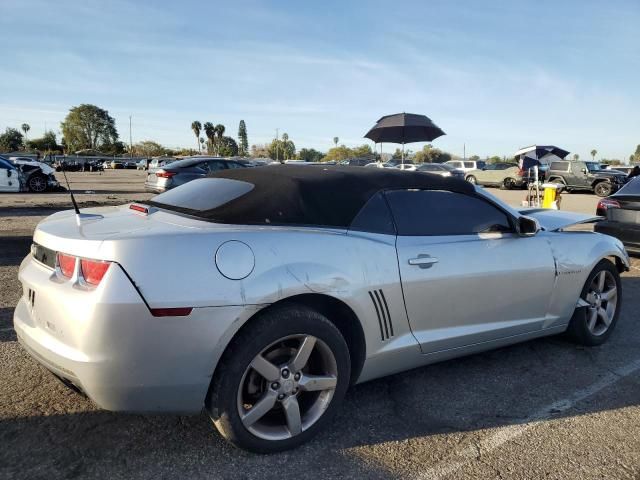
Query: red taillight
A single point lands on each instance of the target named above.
(139, 208)
(171, 312)
(66, 264)
(607, 203)
(163, 174)
(93, 270)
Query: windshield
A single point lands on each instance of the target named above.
(593, 166)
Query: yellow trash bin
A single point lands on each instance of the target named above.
(549, 198)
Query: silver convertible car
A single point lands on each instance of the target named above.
(261, 294)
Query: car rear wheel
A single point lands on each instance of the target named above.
(37, 183)
(471, 179)
(509, 183)
(603, 189)
(280, 380)
(600, 300)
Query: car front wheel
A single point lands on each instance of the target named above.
(280, 380)
(600, 300)
(471, 179)
(603, 189)
(37, 183)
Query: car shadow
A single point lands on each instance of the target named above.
(504, 387)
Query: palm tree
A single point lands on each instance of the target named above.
(197, 128)
(25, 128)
(210, 132)
(219, 132)
(335, 141)
(594, 152)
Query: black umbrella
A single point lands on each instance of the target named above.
(404, 128)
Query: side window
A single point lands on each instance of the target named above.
(203, 166)
(374, 217)
(559, 166)
(437, 212)
(215, 165)
(234, 165)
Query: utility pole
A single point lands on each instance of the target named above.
(464, 151)
(130, 140)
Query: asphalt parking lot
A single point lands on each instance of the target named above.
(542, 409)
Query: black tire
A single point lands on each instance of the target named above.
(37, 183)
(603, 189)
(472, 180)
(267, 328)
(578, 331)
(509, 184)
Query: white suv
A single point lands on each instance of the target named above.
(466, 165)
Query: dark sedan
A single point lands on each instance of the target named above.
(183, 171)
(622, 212)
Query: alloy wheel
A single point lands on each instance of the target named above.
(37, 184)
(602, 297)
(287, 387)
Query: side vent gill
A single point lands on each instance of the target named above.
(382, 311)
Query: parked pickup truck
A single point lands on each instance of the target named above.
(579, 175)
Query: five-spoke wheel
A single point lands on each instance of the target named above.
(279, 380)
(599, 305)
(287, 387)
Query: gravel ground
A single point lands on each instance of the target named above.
(542, 409)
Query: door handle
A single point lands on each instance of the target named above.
(423, 261)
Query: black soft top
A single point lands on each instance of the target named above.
(311, 195)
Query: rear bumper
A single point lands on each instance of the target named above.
(107, 343)
(627, 233)
(153, 188)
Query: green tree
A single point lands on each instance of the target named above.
(25, 128)
(474, 158)
(10, 140)
(243, 141)
(114, 148)
(594, 152)
(494, 159)
(47, 143)
(148, 148)
(362, 151)
(310, 155)
(210, 133)
(196, 126)
(219, 133)
(227, 147)
(89, 127)
(335, 141)
(282, 149)
(337, 154)
(636, 155)
(429, 154)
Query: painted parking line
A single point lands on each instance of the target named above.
(503, 435)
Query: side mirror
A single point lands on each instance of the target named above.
(527, 226)
(9, 173)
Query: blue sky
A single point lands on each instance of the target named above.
(496, 75)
